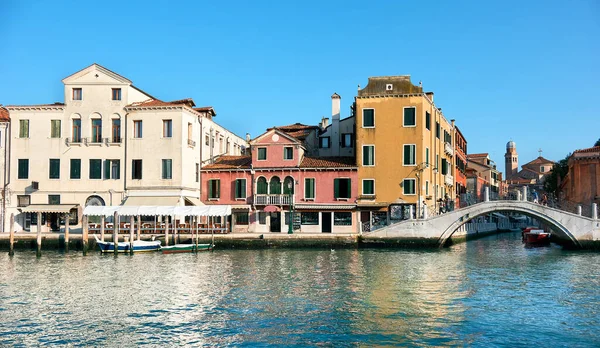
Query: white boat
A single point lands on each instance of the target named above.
(124, 247)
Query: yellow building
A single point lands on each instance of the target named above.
(404, 151)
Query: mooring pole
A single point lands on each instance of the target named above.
(102, 222)
(116, 233)
(11, 251)
(67, 233)
(39, 234)
(175, 230)
(167, 231)
(131, 228)
(84, 234)
(196, 225)
(139, 230)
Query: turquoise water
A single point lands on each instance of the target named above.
(489, 292)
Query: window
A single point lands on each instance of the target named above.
(54, 169)
(410, 118)
(262, 153)
(310, 218)
(309, 188)
(55, 129)
(112, 169)
(427, 120)
(288, 185)
(368, 155)
(262, 218)
(191, 133)
(75, 168)
(444, 166)
(77, 94)
(437, 130)
(261, 186)
(167, 169)
(23, 128)
(368, 187)
(427, 156)
(241, 218)
(53, 199)
(23, 172)
(23, 200)
(167, 128)
(197, 172)
(240, 188)
(214, 189)
(541, 169)
(116, 94)
(408, 186)
(275, 186)
(346, 139)
(324, 142)
(342, 219)
(96, 130)
(137, 129)
(206, 139)
(76, 130)
(116, 130)
(288, 153)
(341, 188)
(426, 188)
(136, 169)
(409, 155)
(368, 118)
(95, 169)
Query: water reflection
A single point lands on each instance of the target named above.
(485, 292)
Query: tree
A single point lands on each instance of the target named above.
(559, 170)
(597, 143)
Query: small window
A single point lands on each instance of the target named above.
(410, 119)
(197, 172)
(437, 130)
(23, 200)
(410, 155)
(309, 188)
(368, 187)
(191, 133)
(55, 129)
(112, 169)
(342, 219)
(288, 153)
(347, 140)
(214, 189)
(53, 199)
(137, 129)
(241, 218)
(427, 120)
(77, 94)
(342, 188)
(368, 118)
(262, 153)
(206, 140)
(309, 218)
(167, 169)
(426, 188)
(23, 170)
(54, 169)
(23, 128)
(95, 169)
(408, 186)
(75, 168)
(136, 169)
(116, 94)
(427, 156)
(368, 155)
(541, 169)
(240, 188)
(167, 128)
(324, 142)
(262, 218)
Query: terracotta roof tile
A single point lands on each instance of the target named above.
(230, 162)
(590, 149)
(297, 130)
(328, 162)
(4, 116)
(476, 155)
(206, 109)
(156, 102)
(34, 105)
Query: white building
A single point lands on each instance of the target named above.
(337, 139)
(109, 143)
(4, 153)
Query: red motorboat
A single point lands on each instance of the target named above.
(536, 236)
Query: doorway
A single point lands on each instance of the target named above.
(54, 220)
(326, 222)
(276, 222)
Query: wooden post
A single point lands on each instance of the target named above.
(167, 231)
(139, 231)
(174, 230)
(84, 234)
(11, 251)
(39, 234)
(67, 232)
(102, 222)
(116, 232)
(196, 226)
(131, 228)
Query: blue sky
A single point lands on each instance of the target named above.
(520, 70)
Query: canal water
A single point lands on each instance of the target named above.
(488, 292)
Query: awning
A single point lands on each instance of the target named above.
(48, 208)
(240, 207)
(193, 201)
(206, 210)
(152, 200)
(325, 206)
(271, 209)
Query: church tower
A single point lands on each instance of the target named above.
(511, 160)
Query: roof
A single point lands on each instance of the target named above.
(35, 105)
(156, 102)
(4, 116)
(588, 150)
(539, 160)
(380, 85)
(209, 109)
(297, 130)
(328, 162)
(230, 162)
(477, 155)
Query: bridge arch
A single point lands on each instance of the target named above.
(523, 208)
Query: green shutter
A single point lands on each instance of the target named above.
(237, 188)
(336, 188)
(23, 169)
(106, 169)
(210, 189)
(24, 129)
(75, 169)
(118, 176)
(218, 188)
(406, 154)
(242, 188)
(427, 156)
(54, 169)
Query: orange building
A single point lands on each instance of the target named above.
(460, 169)
(582, 184)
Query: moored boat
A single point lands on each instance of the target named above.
(536, 236)
(123, 247)
(185, 248)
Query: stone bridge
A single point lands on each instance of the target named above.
(568, 228)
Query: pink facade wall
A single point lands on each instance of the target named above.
(227, 186)
(274, 143)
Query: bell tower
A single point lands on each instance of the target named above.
(511, 160)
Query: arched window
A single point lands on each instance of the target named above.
(275, 186)
(76, 128)
(116, 128)
(96, 128)
(288, 185)
(261, 186)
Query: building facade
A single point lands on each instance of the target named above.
(582, 183)
(404, 151)
(4, 160)
(485, 170)
(460, 167)
(109, 143)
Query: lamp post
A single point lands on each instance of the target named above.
(290, 186)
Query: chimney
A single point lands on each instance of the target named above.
(335, 124)
(324, 122)
(247, 137)
(335, 106)
(429, 95)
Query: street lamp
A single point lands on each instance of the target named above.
(290, 186)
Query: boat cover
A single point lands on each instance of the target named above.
(145, 210)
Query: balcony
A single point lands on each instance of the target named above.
(73, 141)
(191, 143)
(112, 141)
(449, 180)
(93, 141)
(273, 199)
(448, 149)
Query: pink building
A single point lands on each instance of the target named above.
(278, 177)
